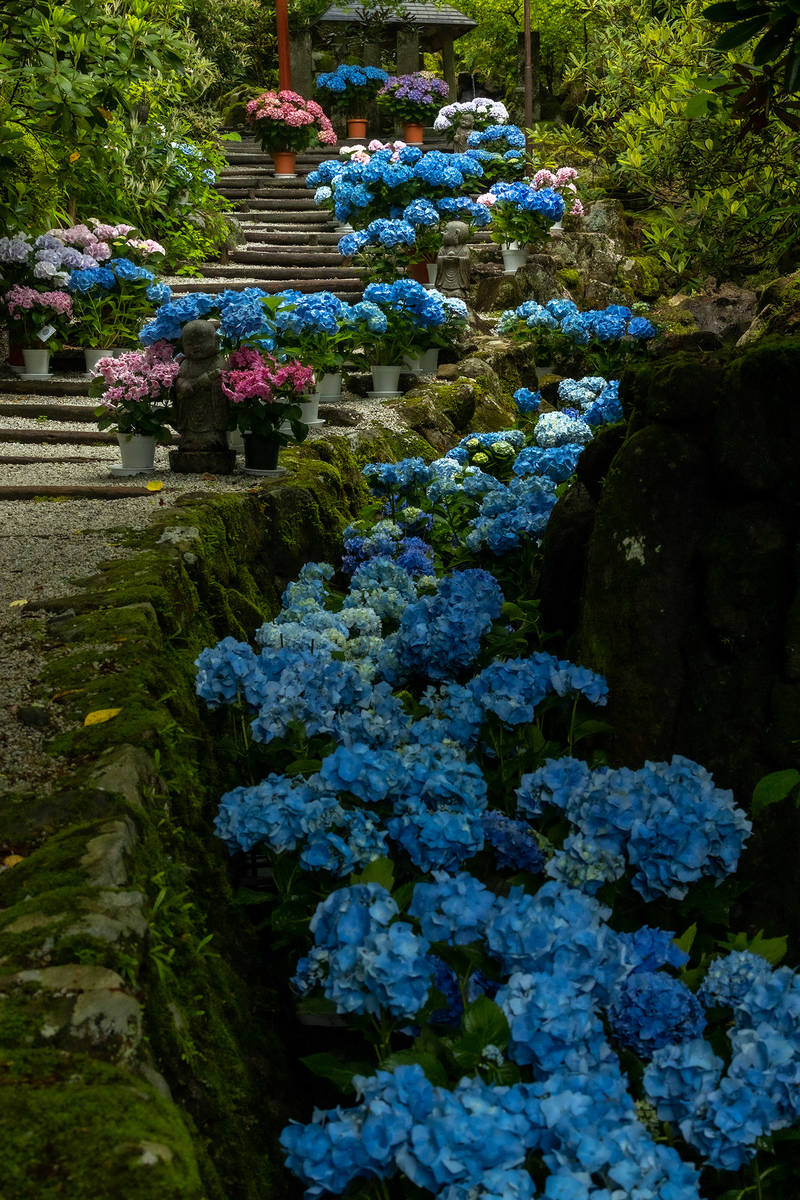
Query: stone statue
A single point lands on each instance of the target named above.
(201, 409)
(466, 124)
(453, 260)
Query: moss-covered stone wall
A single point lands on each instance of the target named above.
(141, 1036)
(684, 526)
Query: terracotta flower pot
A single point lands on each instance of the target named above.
(413, 132)
(283, 161)
(356, 128)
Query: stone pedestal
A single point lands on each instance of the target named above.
(202, 462)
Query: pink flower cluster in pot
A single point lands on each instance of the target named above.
(560, 181)
(22, 300)
(285, 121)
(138, 375)
(253, 376)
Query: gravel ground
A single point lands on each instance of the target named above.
(45, 547)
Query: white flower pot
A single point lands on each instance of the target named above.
(544, 369)
(514, 257)
(386, 379)
(429, 361)
(414, 363)
(432, 269)
(309, 408)
(137, 450)
(37, 362)
(93, 354)
(329, 386)
(235, 440)
(559, 224)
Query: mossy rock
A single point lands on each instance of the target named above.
(73, 1126)
(778, 311)
(681, 387)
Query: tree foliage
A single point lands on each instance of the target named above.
(726, 203)
(492, 47)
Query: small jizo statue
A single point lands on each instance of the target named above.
(466, 124)
(453, 260)
(201, 408)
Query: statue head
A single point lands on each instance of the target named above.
(199, 339)
(467, 121)
(455, 233)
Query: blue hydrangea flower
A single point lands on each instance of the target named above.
(652, 1010)
(453, 909)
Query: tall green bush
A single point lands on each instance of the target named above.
(724, 203)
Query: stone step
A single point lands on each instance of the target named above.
(283, 257)
(278, 237)
(311, 214)
(53, 412)
(44, 387)
(85, 492)
(327, 277)
(64, 437)
(344, 287)
(306, 203)
(24, 460)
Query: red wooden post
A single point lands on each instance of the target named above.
(284, 60)
(528, 72)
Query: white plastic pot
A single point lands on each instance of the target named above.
(414, 363)
(329, 386)
(429, 361)
(514, 257)
(309, 408)
(137, 450)
(432, 269)
(386, 379)
(37, 362)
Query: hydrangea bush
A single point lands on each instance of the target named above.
(531, 942)
(607, 338)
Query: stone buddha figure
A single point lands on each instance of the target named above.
(201, 409)
(466, 124)
(453, 260)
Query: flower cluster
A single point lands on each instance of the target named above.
(411, 707)
(413, 97)
(511, 136)
(482, 111)
(352, 87)
(254, 376)
(669, 820)
(365, 959)
(285, 121)
(521, 212)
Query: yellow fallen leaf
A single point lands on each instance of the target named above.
(155, 486)
(101, 714)
(17, 603)
(12, 860)
(75, 156)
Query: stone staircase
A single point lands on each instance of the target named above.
(289, 242)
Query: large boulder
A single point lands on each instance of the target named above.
(725, 310)
(777, 311)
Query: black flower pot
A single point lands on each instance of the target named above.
(261, 452)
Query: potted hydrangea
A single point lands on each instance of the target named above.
(413, 99)
(352, 88)
(391, 323)
(266, 397)
(35, 317)
(136, 390)
(285, 124)
(521, 216)
(479, 114)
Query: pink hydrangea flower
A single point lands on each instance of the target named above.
(138, 375)
(257, 377)
(487, 199)
(145, 246)
(20, 300)
(577, 209)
